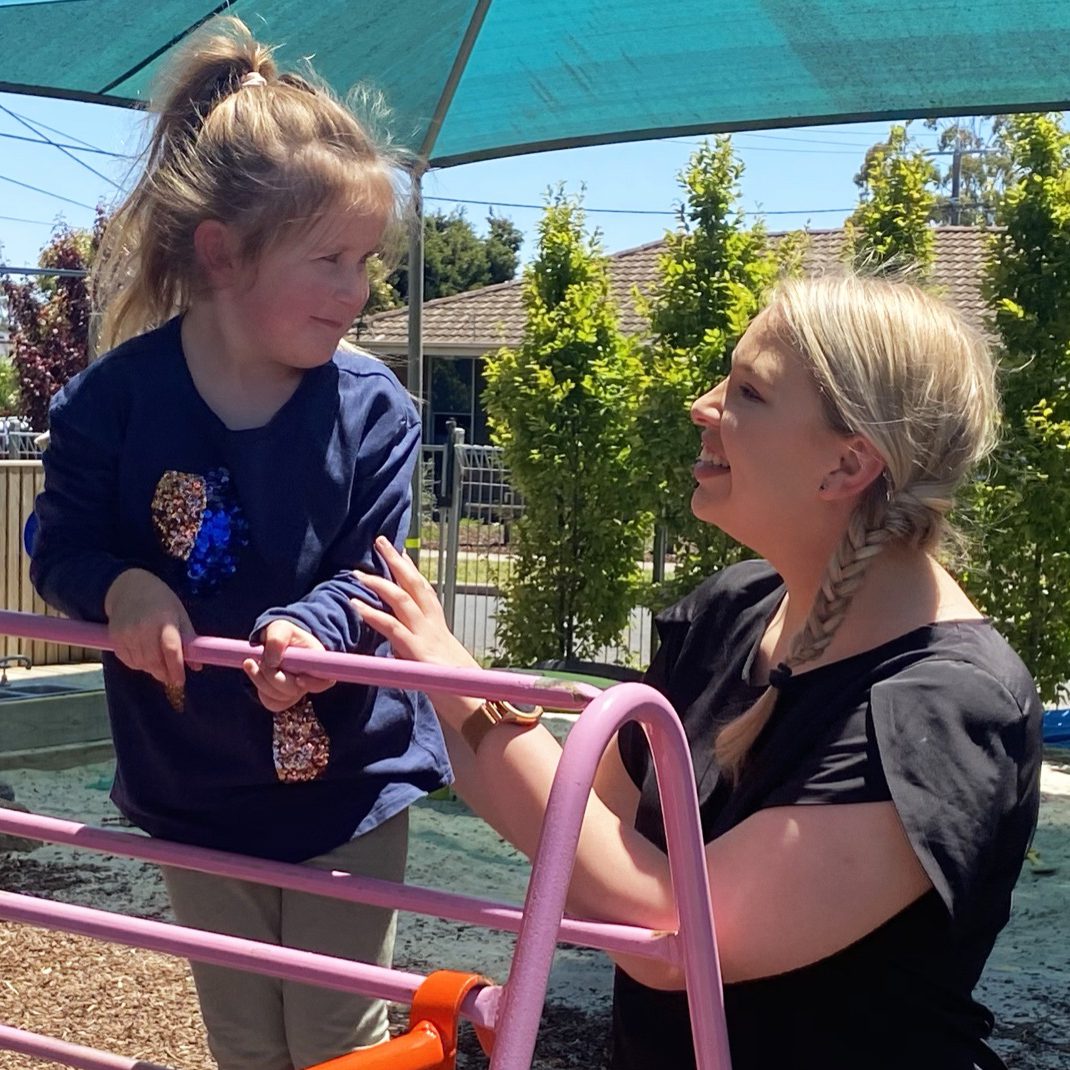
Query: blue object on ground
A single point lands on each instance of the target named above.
(28, 532)
(1057, 727)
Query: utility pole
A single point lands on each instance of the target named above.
(415, 379)
(956, 182)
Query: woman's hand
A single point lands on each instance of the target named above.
(147, 623)
(279, 690)
(417, 629)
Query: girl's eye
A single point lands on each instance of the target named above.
(331, 258)
(750, 393)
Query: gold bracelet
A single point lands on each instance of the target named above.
(494, 712)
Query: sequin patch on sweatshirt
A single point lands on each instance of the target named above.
(177, 508)
(198, 520)
(176, 696)
(300, 744)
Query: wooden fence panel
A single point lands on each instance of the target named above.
(20, 482)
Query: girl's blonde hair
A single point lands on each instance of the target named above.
(901, 368)
(236, 141)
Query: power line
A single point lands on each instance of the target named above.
(60, 145)
(803, 140)
(465, 200)
(19, 219)
(630, 211)
(840, 132)
(804, 152)
(770, 148)
(47, 193)
(70, 155)
(52, 129)
(804, 211)
(540, 207)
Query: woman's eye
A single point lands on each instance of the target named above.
(748, 392)
(331, 258)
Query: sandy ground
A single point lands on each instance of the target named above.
(143, 1005)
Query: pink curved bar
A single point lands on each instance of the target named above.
(695, 940)
(514, 1011)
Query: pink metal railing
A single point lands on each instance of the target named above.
(511, 1011)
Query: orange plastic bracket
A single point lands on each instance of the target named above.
(431, 1042)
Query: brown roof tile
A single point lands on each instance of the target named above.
(485, 319)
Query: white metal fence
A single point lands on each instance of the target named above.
(17, 441)
(474, 553)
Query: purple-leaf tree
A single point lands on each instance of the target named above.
(49, 320)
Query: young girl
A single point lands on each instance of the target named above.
(220, 472)
(866, 746)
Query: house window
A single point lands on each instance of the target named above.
(456, 394)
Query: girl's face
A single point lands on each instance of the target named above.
(768, 453)
(297, 301)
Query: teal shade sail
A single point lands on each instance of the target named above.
(472, 79)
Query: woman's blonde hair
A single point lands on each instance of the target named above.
(901, 368)
(236, 141)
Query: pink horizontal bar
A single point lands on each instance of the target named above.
(352, 668)
(221, 950)
(336, 885)
(61, 1051)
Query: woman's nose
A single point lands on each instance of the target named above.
(707, 408)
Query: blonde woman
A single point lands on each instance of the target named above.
(866, 746)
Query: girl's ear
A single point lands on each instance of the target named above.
(217, 250)
(859, 465)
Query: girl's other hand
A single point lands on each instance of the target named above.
(415, 626)
(147, 623)
(279, 690)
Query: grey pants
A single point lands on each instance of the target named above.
(262, 1023)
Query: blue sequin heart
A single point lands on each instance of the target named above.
(198, 520)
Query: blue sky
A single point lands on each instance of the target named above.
(797, 178)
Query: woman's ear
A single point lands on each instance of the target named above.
(859, 465)
(218, 251)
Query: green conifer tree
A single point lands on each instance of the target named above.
(562, 406)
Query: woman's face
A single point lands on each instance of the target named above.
(767, 447)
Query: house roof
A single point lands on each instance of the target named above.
(471, 323)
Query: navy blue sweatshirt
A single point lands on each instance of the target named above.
(246, 527)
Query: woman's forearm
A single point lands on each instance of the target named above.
(618, 875)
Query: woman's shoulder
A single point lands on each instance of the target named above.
(732, 589)
(958, 726)
(723, 612)
(964, 667)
